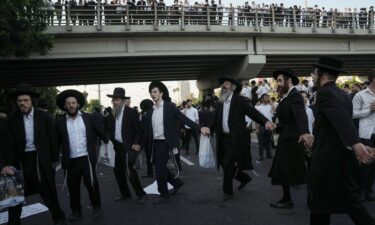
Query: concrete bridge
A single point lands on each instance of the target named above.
(171, 46)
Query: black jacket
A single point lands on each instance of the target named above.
(92, 131)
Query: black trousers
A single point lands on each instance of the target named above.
(358, 214)
(367, 172)
(163, 175)
(80, 168)
(150, 168)
(230, 169)
(34, 185)
(264, 141)
(189, 133)
(125, 167)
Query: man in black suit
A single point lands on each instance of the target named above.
(232, 140)
(337, 149)
(77, 137)
(163, 138)
(288, 167)
(32, 148)
(125, 133)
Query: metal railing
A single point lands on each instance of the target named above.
(102, 15)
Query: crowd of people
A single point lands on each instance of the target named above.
(316, 123)
(134, 12)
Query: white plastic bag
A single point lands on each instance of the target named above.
(107, 154)
(11, 190)
(206, 154)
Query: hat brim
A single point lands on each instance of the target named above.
(31, 93)
(238, 89)
(287, 73)
(329, 68)
(116, 96)
(60, 100)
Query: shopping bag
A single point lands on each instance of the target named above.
(206, 154)
(172, 163)
(107, 154)
(11, 190)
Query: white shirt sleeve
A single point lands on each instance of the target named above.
(358, 112)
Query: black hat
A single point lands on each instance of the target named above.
(127, 97)
(288, 73)
(25, 89)
(42, 102)
(146, 105)
(118, 93)
(161, 87)
(233, 81)
(330, 64)
(60, 100)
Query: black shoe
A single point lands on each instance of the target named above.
(370, 196)
(96, 212)
(75, 216)
(142, 199)
(60, 222)
(270, 157)
(243, 183)
(177, 187)
(283, 205)
(123, 198)
(161, 200)
(227, 197)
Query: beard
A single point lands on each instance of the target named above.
(224, 95)
(117, 109)
(73, 114)
(282, 90)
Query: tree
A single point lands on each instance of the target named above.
(22, 23)
(93, 103)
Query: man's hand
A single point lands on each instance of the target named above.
(269, 125)
(205, 131)
(307, 139)
(7, 170)
(371, 150)
(363, 154)
(136, 148)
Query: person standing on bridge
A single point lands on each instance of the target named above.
(232, 140)
(125, 134)
(288, 167)
(32, 148)
(161, 133)
(332, 185)
(77, 135)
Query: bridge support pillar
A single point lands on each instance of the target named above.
(247, 68)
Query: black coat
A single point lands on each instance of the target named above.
(3, 141)
(131, 129)
(171, 117)
(331, 177)
(241, 139)
(45, 141)
(92, 131)
(288, 166)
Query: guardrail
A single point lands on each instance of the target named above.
(102, 15)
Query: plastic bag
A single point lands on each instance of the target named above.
(206, 154)
(107, 154)
(172, 164)
(11, 190)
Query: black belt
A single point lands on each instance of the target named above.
(159, 140)
(31, 152)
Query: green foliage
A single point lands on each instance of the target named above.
(92, 104)
(350, 82)
(22, 23)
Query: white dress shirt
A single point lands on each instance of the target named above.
(192, 114)
(77, 136)
(246, 91)
(158, 122)
(361, 110)
(264, 89)
(118, 125)
(310, 118)
(266, 110)
(28, 121)
(226, 107)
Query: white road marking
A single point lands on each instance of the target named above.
(26, 211)
(185, 160)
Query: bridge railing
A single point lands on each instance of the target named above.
(104, 15)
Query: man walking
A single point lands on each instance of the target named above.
(337, 149)
(77, 134)
(191, 113)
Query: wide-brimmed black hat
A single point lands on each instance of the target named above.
(146, 105)
(60, 100)
(330, 63)
(25, 89)
(42, 102)
(288, 73)
(118, 93)
(161, 87)
(238, 89)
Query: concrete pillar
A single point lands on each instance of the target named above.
(247, 68)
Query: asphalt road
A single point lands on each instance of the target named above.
(199, 201)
